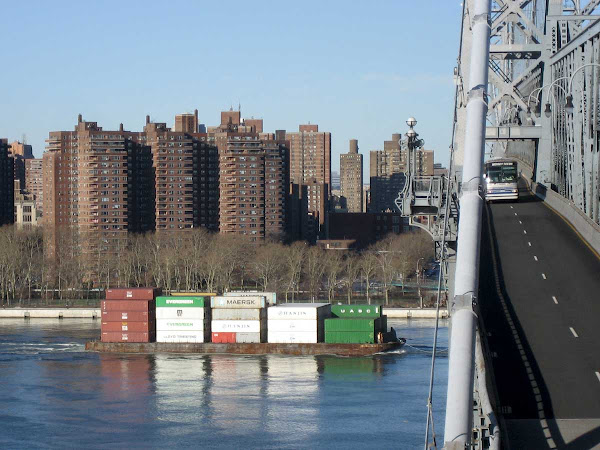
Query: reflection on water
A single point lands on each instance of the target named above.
(56, 395)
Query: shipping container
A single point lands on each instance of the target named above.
(223, 338)
(349, 337)
(134, 316)
(350, 311)
(254, 338)
(238, 302)
(237, 326)
(142, 327)
(239, 314)
(120, 336)
(127, 305)
(183, 336)
(372, 325)
(293, 325)
(271, 297)
(181, 324)
(182, 313)
(292, 337)
(194, 294)
(300, 311)
(132, 293)
(181, 302)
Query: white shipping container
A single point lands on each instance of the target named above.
(180, 336)
(238, 302)
(241, 338)
(182, 313)
(236, 326)
(239, 314)
(300, 311)
(181, 324)
(292, 337)
(293, 325)
(270, 296)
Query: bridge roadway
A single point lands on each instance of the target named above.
(540, 304)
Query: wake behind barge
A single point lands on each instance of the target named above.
(245, 348)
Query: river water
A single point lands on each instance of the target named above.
(54, 394)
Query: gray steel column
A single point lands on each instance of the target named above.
(459, 404)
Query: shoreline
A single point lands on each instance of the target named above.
(95, 314)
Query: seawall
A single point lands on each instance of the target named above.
(49, 313)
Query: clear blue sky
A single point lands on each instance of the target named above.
(359, 70)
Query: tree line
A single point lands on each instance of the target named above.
(197, 260)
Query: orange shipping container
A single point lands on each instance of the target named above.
(120, 336)
(128, 305)
(143, 327)
(223, 338)
(134, 316)
(132, 294)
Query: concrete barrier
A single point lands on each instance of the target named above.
(49, 313)
(413, 313)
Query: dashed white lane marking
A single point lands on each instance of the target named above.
(511, 207)
(535, 257)
(544, 276)
(598, 375)
(529, 243)
(555, 301)
(524, 231)
(515, 214)
(573, 331)
(520, 223)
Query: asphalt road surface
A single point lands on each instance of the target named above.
(540, 303)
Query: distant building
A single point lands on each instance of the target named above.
(359, 230)
(387, 169)
(26, 214)
(254, 185)
(7, 169)
(34, 183)
(21, 149)
(186, 123)
(439, 170)
(335, 181)
(351, 178)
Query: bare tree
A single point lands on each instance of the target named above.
(334, 265)
(368, 268)
(352, 270)
(267, 265)
(314, 268)
(294, 257)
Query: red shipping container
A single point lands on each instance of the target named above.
(119, 336)
(134, 316)
(132, 294)
(223, 338)
(143, 327)
(128, 305)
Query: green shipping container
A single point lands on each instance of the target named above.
(349, 337)
(371, 325)
(180, 302)
(348, 311)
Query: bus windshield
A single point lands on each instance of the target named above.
(502, 174)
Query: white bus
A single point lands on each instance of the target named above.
(501, 178)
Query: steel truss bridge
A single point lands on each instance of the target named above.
(518, 365)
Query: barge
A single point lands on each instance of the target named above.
(245, 348)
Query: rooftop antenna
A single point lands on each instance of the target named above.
(239, 106)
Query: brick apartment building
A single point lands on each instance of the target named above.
(351, 178)
(254, 185)
(7, 169)
(105, 184)
(34, 182)
(387, 169)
